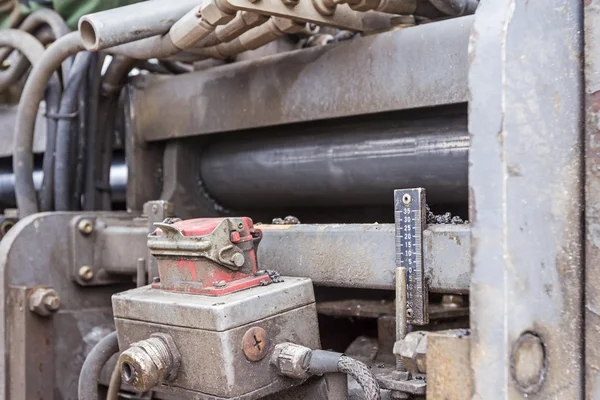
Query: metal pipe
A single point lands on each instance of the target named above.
(33, 92)
(130, 23)
(352, 162)
(118, 183)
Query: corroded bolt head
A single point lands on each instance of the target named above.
(44, 301)
(238, 259)
(86, 273)
(85, 226)
(256, 343)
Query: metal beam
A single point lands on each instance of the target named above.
(525, 175)
(362, 255)
(421, 66)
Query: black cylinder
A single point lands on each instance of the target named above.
(356, 162)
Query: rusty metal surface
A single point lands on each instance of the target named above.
(213, 313)
(84, 316)
(362, 255)
(592, 197)
(219, 368)
(396, 70)
(31, 338)
(378, 308)
(448, 361)
(525, 83)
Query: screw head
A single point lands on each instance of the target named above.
(86, 273)
(256, 343)
(238, 259)
(85, 226)
(406, 199)
(220, 284)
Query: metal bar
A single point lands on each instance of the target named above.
(525, 175)
(31, 340)
(392, 73)
(592, 198)
(363, 255)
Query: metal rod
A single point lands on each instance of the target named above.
(121, 25)
(401, 324)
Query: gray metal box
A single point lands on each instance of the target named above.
(208, 333)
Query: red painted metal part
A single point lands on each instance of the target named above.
(199, 275)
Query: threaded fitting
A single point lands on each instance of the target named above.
(148, 363)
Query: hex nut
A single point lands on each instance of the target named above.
(287, 25)
(212, 14)
(406, 350)
(44, 301)
(292, 360)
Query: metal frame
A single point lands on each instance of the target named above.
(525, 120)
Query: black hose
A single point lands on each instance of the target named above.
(63, 171)
(362, 374)
(92, 366)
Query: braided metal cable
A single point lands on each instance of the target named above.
(363, 376)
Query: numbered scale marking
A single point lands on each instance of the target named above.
(409, 208)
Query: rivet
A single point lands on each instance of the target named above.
(528, 363)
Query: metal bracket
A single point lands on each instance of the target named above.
(410, 217)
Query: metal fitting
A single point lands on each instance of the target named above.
(85, 226)
(44, 301)
(412, 350)
(292, 360)
(86, 273)
(150, 362)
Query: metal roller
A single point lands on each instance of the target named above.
(340, 163)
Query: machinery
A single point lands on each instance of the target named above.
(300, 199)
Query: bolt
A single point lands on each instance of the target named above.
(528, 363)
(85, 226)
(238, 259)
(86, 273)
(44, 301)
(452, 301)
(256, 343)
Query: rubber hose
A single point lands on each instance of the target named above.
(115, 383)
(92, 366)
(30, 25)
(63, 164)
(362, 374)
(456, 8)
(33, 92)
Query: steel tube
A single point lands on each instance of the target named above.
(118, 183)
(121, 25)
(340, 163)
